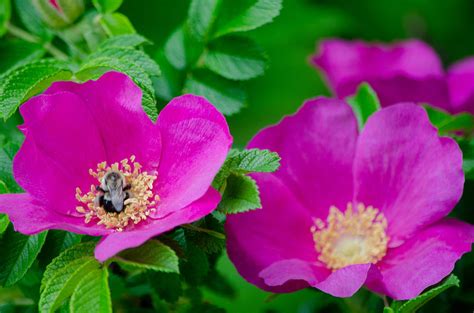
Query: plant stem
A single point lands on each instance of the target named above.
(385, 301)
(20, 33)
(203, 230)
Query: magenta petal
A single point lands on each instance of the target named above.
(118, 241)
(340, 283)
(30, 217)
(125, 129)
(405, 71)
(402, 165)
(423, 260)
(196, 140)
(317, 146)
(62, 143)
(461, 86)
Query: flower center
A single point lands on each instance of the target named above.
(123, 196)
(353, 237)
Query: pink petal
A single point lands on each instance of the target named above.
(403, 168)
(317, 146)
(461, 86)
(62, 143)
(423, 260)
(278, 231)
(115, 103)
(340, 283)
(196, 140)
(118, 241)
(405, 71)
(30, 216)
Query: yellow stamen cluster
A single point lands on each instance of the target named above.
(353, 237)
(136, 209)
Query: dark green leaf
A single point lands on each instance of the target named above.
(107, 6)
(15, 53)
(26, 81)
(116, 24)
(166, 285)
(364, 103)
(240, 195)
(201, 16)
(195, 266)
(447, 123)
(219, 284)
(5, 13)
(204, 235)
(18, 253)
(56, 242)
(4, 221)
(92, 293)
(152, 255)
(124, 41)
(6, 177)
(205, 308)
(245, 15)
(236, 58)
(227, 96)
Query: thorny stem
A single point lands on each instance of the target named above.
(203, 230)
(20, 33)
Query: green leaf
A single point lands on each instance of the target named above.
(124, 41)
(4, 222)
(169, 84)
(195, 267)
(57, 241)
(116, 24)
(130, 55)
(152, 255)
(5, 13)
(6, 177)
(245, 15)
(227, 96)
(26, 81)
(236, 58)
(182, 49)
(364, 103)
(107, 6)
(447, 123)
(32, 20)
(415, 304)
(201, 16)
(92, 293)
(212, 240)
(388, 310)
(166, 285)
(240, 195)
(18, 253)
(15, 53)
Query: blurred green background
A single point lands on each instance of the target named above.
(289, 41)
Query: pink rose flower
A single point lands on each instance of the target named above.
(348, 209)
(77, 134)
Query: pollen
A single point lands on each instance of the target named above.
(137, 208)
(351, 237)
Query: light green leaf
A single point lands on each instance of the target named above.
(201, 16)
(24, 82)
(107, 6)
(17, 254)
(447, 123)
(31, 19)
(92, 293)
(169, 84)
(124, 41)
(5, 13)
(245, 15)
(152, 255)
(182, 49)
(227, 96)
(415, 304)
(364, 103)
(130, 55)
(4, 222)
(240, 195)
(236, 58)
(116, 24)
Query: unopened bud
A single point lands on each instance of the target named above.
(59, 13)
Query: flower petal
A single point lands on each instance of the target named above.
(125, 129)
(403, 168)
(118, 241)
(423, 260)
(62, 143)
(461, 86)
(317, 146)
(31, 217)
(278, 231)
(405, 71)
(196, 140)
(340, 283)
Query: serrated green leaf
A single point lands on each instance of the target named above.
(25, 81)
(240, 195)
(124, 41)
(92, 293)
(18, 253)
(107, 6)
(201, 16)
(31, 19)
(206, 234)
(195, 267)
(182, 49)
(236, 58)
(130, 55)
(5, 13)
(152, 255)
(447, 123)
(166, 285)
(116, 24)
(245, 15)
(227, 96)
(364, 103)
(415, 304)
(4, 222)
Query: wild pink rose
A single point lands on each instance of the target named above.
(75, 134)
(347, 208)
(407, 71)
